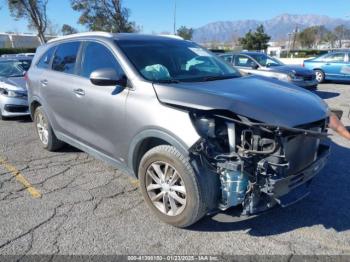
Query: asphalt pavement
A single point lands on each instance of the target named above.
(69, 203)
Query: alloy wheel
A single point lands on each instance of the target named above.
(42, 128)
(319, 76)
(166, 188)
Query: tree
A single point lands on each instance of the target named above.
(32, 10)
(314, 35)
(257, 40)
(185, 33)
(341, 33)
(104, 15)
(68, 30)
(52, 29)
(330, 38)
(307, 37)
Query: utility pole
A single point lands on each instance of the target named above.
(289, 44)
(175, 17)
(295, 36)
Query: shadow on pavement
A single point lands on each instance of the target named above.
(325, 94)
(327, 205)
(69, 149)
(19, 119)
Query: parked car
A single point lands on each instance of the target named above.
(332, 66)
(13, 91)
(261, 64)
(197, 135)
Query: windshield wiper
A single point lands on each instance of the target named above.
(213, 78)
(167, 81)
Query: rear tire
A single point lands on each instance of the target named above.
(44, 130)
(320, 76)
(170, 187)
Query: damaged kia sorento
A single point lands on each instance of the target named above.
(199, 136)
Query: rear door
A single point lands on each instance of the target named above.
(101, 109)
(57, 89)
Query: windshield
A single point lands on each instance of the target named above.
(265, 60)
(13, 68)
(173, 61)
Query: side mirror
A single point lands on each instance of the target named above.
(107, 77)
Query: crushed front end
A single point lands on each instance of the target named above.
(259, 165)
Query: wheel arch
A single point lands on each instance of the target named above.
(34, 104)
(148, 139)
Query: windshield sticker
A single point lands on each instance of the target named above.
(199, 51)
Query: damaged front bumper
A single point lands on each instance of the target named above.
(289, 190)
(259, 166)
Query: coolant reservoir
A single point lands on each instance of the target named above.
(234, 186)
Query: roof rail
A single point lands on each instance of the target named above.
(105, 34)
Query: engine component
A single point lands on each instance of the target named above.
(234, 184)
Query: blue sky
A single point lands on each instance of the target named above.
(157, 15)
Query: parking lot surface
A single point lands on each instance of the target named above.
(69, 203)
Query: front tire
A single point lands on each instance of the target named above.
(170, 187)
(320, 76)
(3, 118)
(44, 130)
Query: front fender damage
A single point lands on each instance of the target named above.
(258, 165)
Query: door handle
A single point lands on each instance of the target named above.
(44, 82)
(79, 92)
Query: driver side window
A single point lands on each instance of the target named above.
(243, 61)
(97, 56)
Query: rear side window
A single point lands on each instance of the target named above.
(97, 56)
(336, 57)
(45, 60)
(65, 57)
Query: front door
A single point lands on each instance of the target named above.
(101, 108)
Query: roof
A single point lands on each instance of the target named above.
(243, 52)
(119, 36)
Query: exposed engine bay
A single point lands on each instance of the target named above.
(259, 165)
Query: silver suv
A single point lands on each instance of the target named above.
(198, 136)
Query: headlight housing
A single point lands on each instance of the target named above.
(10, 93)
(283, 77)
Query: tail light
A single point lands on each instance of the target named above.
(26, 78)
(303, 65)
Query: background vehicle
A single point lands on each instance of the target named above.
(261, 64)
(332, 66)
(198, 135)
(13, 91)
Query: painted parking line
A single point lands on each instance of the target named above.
(20, 178)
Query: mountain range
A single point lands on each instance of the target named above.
(277, 27)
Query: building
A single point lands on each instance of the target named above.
(16, 40)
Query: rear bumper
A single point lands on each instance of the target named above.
(11, 107)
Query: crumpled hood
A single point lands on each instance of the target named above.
(259, 98)
(297, 70)
(13, 83)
